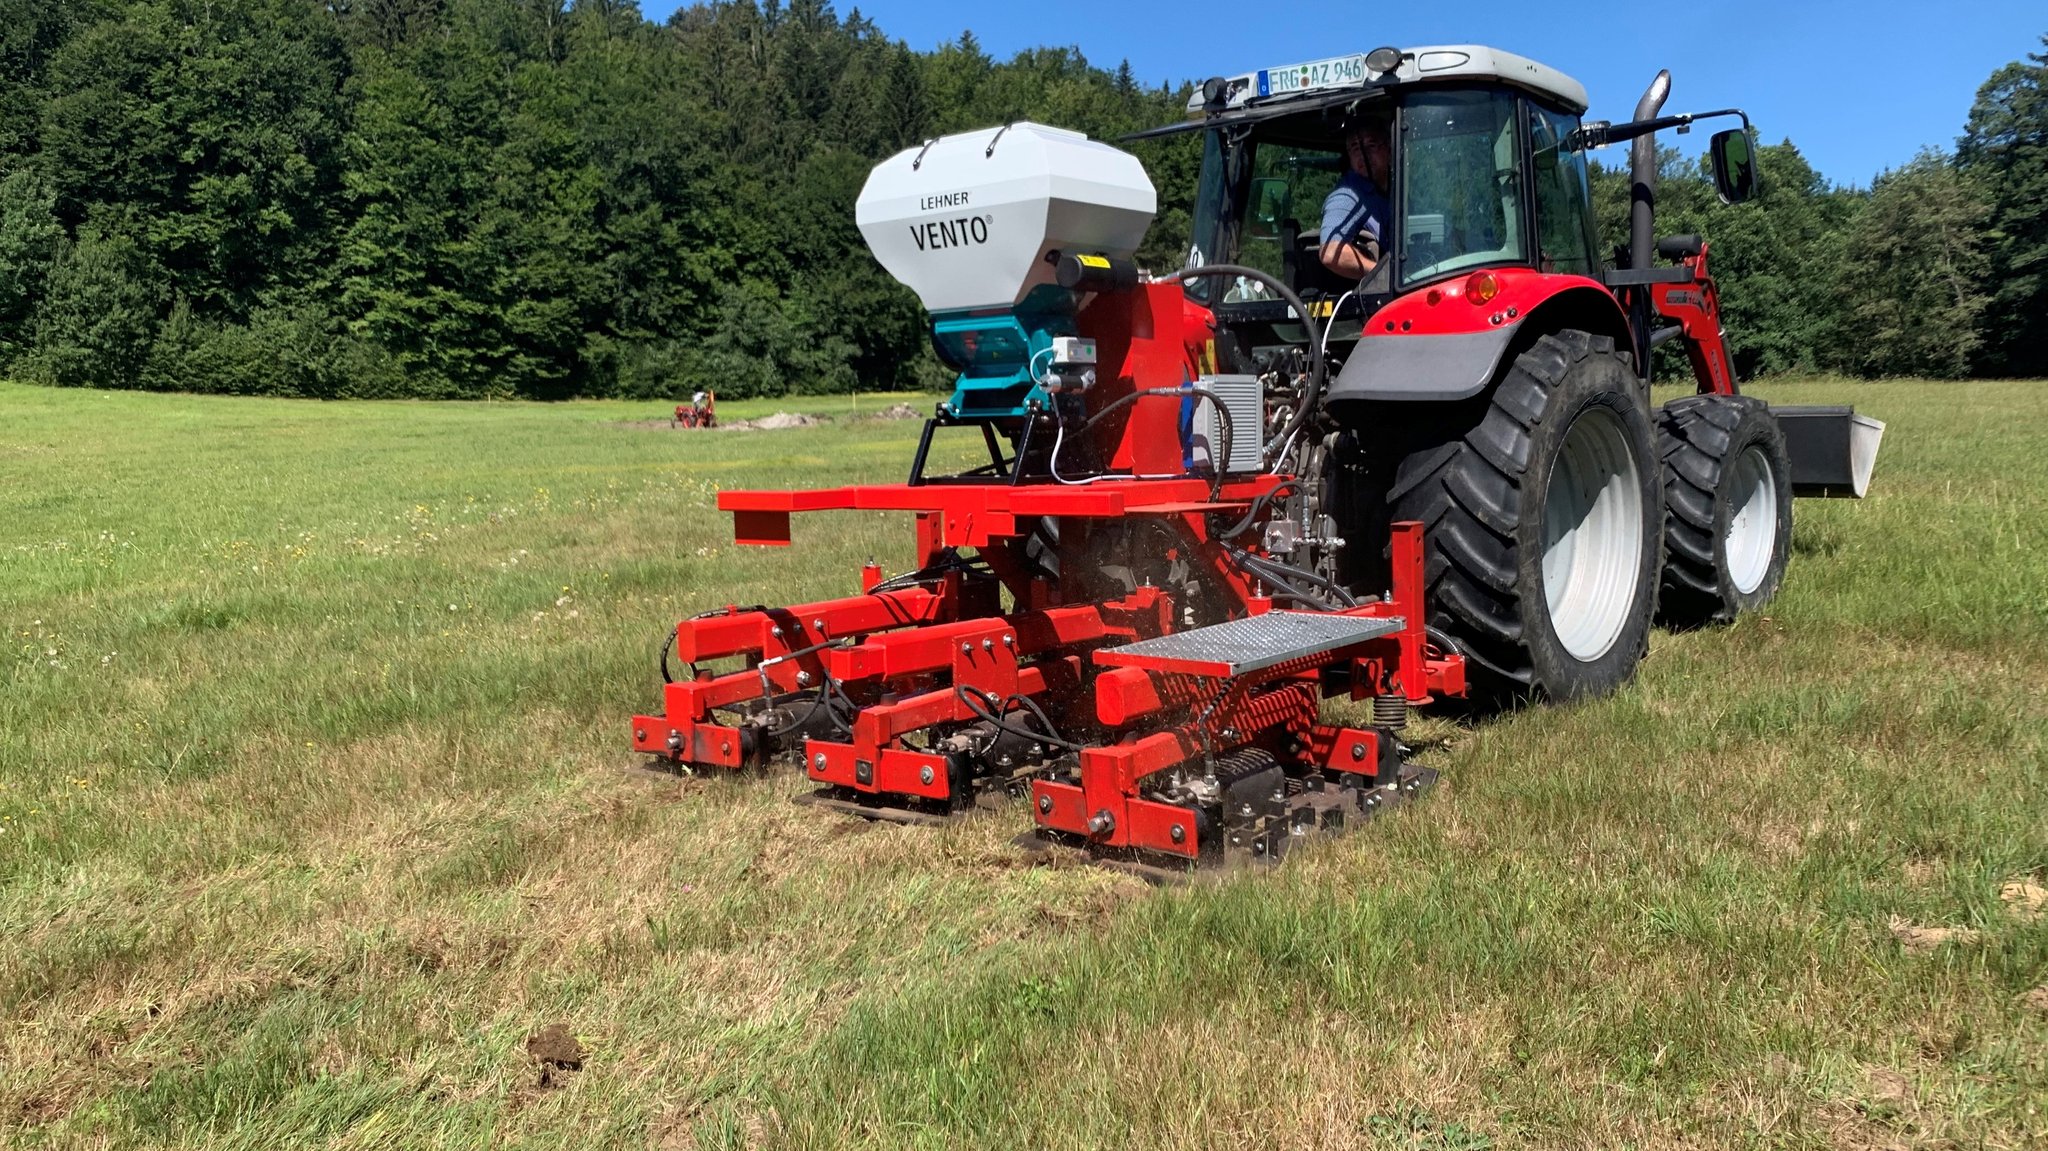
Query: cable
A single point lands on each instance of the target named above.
(936, 571)
(1310, 395)
(974, 704)
(1031, 705)
(1258, 505)
(1333, 320)
(1031, 368)
(1274, 570)
(1184, 390)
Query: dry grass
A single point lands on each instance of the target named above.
(320, 815)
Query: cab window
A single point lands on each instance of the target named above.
(1461, 183)
(1285, 207)
(1564, 233)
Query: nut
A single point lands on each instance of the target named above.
(1045, 804)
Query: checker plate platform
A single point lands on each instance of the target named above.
(1254, 643)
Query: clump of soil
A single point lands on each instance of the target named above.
(555, 1048)
(1917, 940)
(896, 412)
(2024, 899)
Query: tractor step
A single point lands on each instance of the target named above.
(1255, 643)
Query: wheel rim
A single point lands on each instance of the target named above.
(1753, 525)
(1592, 535)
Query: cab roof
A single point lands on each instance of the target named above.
(1428, 65)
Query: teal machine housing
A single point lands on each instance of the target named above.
(1002, 356)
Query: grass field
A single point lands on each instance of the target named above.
(313, 809)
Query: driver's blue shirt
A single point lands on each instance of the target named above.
(1353, 208)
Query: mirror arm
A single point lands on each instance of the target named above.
(1600, 133)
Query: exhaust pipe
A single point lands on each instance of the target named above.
(1642, 157)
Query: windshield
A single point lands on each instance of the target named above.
(1288, 185)
(1461, 183)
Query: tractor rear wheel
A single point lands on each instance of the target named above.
(1728, 508)
(1543, 526)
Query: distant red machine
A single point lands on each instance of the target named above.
(700, 412)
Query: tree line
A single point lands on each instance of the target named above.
(539, 199)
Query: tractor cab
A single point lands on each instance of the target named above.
(1484, 172)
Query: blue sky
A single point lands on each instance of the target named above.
(1859, 86)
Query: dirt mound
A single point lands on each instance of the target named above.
(1917, 940)
(555, 1048)
(896, 412)
(777, 422)
(2024, 899)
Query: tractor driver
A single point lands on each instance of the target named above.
(1356, 212)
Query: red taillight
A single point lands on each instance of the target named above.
(1481, 288)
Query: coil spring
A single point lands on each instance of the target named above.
(1390, 711)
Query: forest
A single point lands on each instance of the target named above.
(539, 199)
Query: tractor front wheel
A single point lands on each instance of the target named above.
(1728, 508)
(1543, 526)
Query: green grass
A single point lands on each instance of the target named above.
(313, 807)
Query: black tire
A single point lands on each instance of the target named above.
(1485, 499)
(1727, 496)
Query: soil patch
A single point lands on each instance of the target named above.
(1917, 940)
(778, 422)
(555, 1048)
(2024, 899)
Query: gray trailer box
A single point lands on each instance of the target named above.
(1833, 449)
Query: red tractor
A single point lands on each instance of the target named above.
(1213, 499)
(700, 412)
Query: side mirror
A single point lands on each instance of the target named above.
(1272, 202)
(1734, 166)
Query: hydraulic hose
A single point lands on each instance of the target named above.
(1316, 377)
(1124, 401)
(968, 696)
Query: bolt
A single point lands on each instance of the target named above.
(924, 776)
(1358, 750)
(675, 741)
(1101, 823)
(1045, 804)
(640, 734)
(1179, 833)
(1258, 847)
(966, 649)
(776, 631)
(993, 698)
(818, 762)
(1245, 810)
(818, 625)
(988, 645)
(1229, 734)
(1009, 641)
(803, 679)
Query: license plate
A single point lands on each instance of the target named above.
(1332, 73)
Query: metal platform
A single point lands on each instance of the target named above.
(1242, 646)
